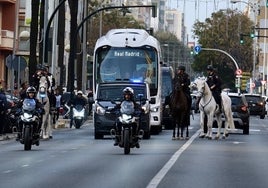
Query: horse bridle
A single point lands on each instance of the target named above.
(202, 94)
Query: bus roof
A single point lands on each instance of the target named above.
(127, 38)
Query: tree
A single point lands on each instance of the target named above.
(173, 50)
(110, 19)
(33, 38)
(73, 4)
(222, 31)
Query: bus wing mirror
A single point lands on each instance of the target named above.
(152, 101)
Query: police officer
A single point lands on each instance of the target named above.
(31, 94)
(128, 94)
(182, 79)
(214, 83)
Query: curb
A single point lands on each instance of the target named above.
(63, 124)
(8, 136)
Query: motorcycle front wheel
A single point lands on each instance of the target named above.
(78, 123)
(126, 142)
(27, 139)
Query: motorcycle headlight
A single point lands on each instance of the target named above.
(27, 116)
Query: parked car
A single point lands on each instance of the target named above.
(167, 77)
(256, 105)
(240, 111)
(107, 95)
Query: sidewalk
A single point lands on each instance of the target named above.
(9, 136)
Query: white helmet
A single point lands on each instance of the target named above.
(128, 90)
(80, 92)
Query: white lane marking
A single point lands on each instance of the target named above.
(161, 174)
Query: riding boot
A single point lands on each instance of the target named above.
(18, 136)
(116, 140)
(220, 107)
(197, 103)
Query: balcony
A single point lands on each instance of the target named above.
(8, 1)
(6, 40)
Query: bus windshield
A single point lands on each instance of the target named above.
(135, 64)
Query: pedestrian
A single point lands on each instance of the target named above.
(57, 105)
(3, 109)
(90, 101)
(23, 89)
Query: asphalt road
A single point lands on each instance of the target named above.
(74, 159)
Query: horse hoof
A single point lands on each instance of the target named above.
(187, 138)
(223, 137)
(202, 136)
(173, 138)
(209, 138)
(217, 138)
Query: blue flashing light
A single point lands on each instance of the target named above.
(136, 80)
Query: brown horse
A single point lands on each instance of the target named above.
(179, 110)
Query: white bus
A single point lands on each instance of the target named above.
(131, 55)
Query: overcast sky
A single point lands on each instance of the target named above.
(200, 10)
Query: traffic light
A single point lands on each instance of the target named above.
(242, 38)
(252, 33)
(192, 52)
(154, 10)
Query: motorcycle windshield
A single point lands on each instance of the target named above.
(29, 104)
(127, 107)
(79, 107)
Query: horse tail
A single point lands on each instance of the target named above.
(227, 107)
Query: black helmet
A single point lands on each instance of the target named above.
(31, 90)
(181, 67)
(210, 68)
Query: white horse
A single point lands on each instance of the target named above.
(42, 96)
(209, 107)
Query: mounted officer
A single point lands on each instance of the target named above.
(214, 83)
(182, 79)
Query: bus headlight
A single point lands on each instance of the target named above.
(154, 109)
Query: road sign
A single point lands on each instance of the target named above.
(197, 49)
(238, 72)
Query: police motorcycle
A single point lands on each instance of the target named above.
(30, 118)
(127, 129)
(78, 116)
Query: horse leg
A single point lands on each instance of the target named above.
(187, 125)
(202, 119)
(209, 125)
(178, 129)
(181, 127)
(174, 128)
(44, 126)
(49, 126)
(219, 122)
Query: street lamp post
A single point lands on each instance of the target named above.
(253, 6)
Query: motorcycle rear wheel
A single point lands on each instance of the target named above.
(27, 139)
(126, 142)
